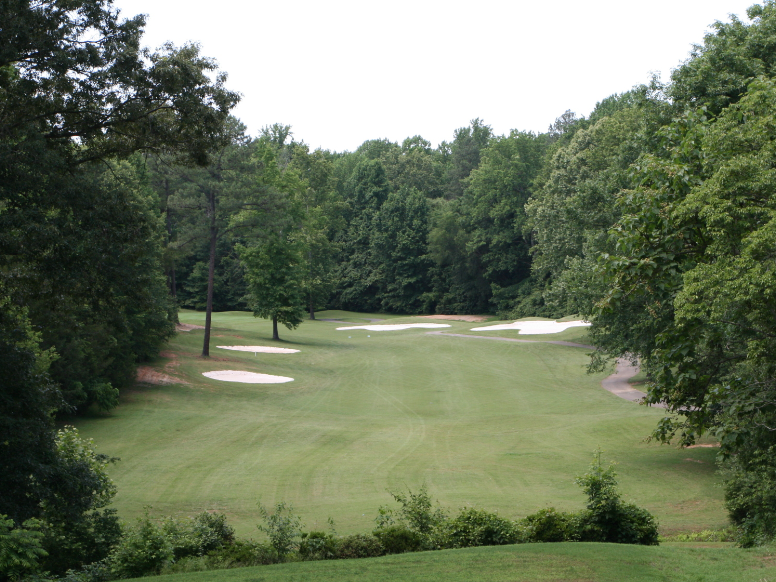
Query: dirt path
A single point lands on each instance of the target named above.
(617, 383)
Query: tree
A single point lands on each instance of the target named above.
(398, 251)
(322, 216)
(27, 400)
(570, 215)
(273, 271)
(465, 150)
(493, 210)
(366, 191)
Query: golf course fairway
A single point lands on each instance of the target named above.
(499, 425)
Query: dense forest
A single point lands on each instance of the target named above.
(127, 190)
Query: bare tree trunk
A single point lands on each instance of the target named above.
(312, 309)
(210, 275)
(275, 335)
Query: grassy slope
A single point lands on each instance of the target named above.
(500, 425)
(526, 563)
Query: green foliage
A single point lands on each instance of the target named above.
(143, 550)
(607, 518)
(282, 528)
(397, 539)
(477, 527)
(397, 253)
(550, 525)
(27, 397)
(358, 546)
(20, 549)
(197, 536)
(417, 511)
(241, 553)
(78, 529)
(273, 273)
(318, 545)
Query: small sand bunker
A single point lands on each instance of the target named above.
(187, 326)
(395, 326)
(246, 377)
(469, 318)
(535, 327)
(257, 349)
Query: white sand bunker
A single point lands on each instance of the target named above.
(257, 349)
(246, 377)
(535, 327)
(395, 326)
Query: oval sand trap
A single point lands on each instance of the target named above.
(395, 326)
(246, 377)
(535, 327)
(262, 349)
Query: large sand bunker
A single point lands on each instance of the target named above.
(257, 349)
(395, 326)
(535, 327)
(246, 377)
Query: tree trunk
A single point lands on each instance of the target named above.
(312, 309)
(275, 335)
(173, 284)
(210, 275)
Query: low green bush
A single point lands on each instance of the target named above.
(282, 527)
(729, 534)
(477, 527)
(144, 549)
(20, 549)
(398, 539)
(241, 553)
(550, 525)
(358, 546)
(608, 518)
(317, 545)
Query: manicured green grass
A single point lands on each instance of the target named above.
(500, 425)
(524, 563)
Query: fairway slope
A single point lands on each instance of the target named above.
(504, 426)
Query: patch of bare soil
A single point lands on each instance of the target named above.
(147, 375)
(703, 446)
(469, 318)
(187, 327)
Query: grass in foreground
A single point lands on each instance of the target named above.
(571, 562)
(499, 425)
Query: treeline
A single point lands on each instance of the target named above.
(399, 228)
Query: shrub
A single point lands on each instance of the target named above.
(417, 512)
(317, 545)
(242, 553)
(398, 539)
(607, 518)
(358, 546)
(143, 550)
(550, 525)
(282, 528)
(198, 535)
(20, 548)
(477, 527)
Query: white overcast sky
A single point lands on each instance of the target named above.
(341, 71)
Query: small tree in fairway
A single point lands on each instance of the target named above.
(273, 272)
